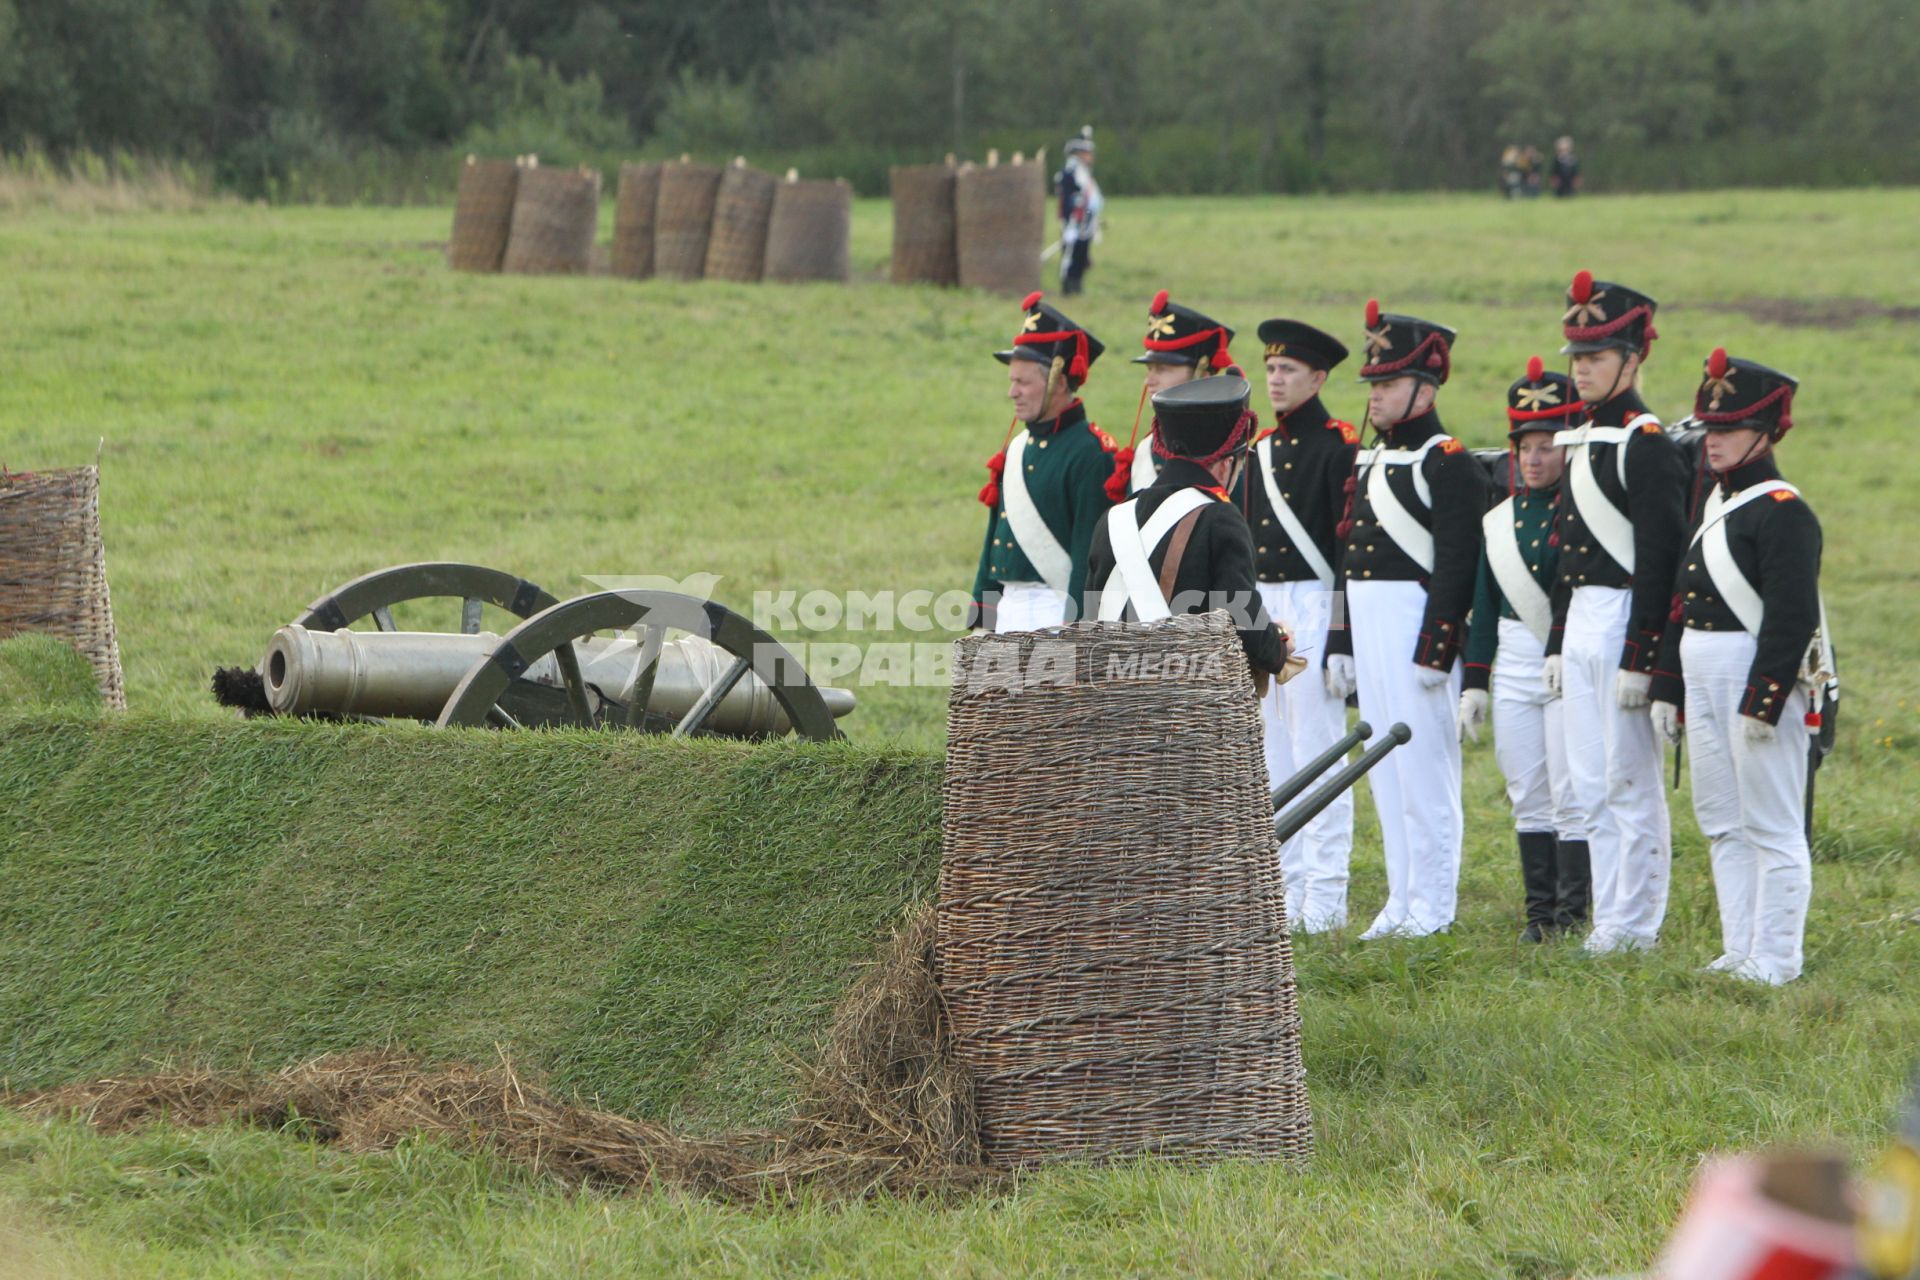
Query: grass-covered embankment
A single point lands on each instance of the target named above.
(659, 925)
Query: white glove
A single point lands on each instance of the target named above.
(1757, 731)
(1339, 675)
(1630, 690)
(1428, 677)
(1552, 672)
(1666, 721)
(1473, 713)
(976, 631)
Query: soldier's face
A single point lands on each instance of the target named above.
(1397, 399)
(1542, 462)
(1162, 376)
(1599, 375)
(1728, 449)
(1027, 388)
(1291, 384)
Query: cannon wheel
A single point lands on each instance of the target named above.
(476, 700)
(374, 595)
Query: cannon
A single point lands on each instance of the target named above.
(648, 661)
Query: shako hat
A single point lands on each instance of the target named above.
(1738, 393)
(1302, 342)
(1204, 420)
(1047, 335)
(1541, 401)
(1602, 315)
(1401, 346)
(1181, 335)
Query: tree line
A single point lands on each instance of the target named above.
(1207, 96)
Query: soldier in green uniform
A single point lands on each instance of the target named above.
(1049, 485)
(1506, 651)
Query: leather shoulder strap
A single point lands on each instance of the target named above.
(1177, 550)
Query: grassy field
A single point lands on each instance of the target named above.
(292, 397)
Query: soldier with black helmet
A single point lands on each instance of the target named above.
(1621, 529)
(1506, 649)
(1182, 546)
(1412, 548)
(1048, 486)
(1294, 491)
(1746, 653)
(1180, 344)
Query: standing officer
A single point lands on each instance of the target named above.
(1080, 205)
(1412, 550)
(1746, 653)
(1182, 546)
(1295, 491)
(1180, 344)
(1049, 485)
(1506, 647)
(1621, 530)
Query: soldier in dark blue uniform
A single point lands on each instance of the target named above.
(1747, 654)
(1412, 548)
(1048, 487)
(1621, 530)
(1180, 344)
(1295, 491)
(1506, 649)
(1182, 546)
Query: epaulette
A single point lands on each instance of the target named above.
(1651, 429)
(1270, 431)
(1348, 432)
(1107, 442)
(1450, 445)
(1219, 494)
(1784, 495)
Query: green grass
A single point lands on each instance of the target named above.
(294, 397)
(42, 673)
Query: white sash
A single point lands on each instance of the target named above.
(1132, 544)
(1610, 525)
(1029, 530)
(1288, 520)
(1517, 584)
(1144, 471)
(1412, 537)
(1734, 587)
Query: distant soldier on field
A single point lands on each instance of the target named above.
(1048, 486)
(1621, 529)
(1182, 546)
(1080, 206)
(1412, 548)
(1295, 491)
(1506, 649)
(1566, 169)
(1180, 345)
(1747, 655)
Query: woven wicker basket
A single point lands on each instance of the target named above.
(53, 568)
(556, 216)
(809, 235)
(1112, 930)
(1000, 222)
(482, 214)
(683, 219)
(737, 248)
(923, 245)
(633, 210)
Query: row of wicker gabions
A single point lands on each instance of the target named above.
(680, 220)
(976, 226)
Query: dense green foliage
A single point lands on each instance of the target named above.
(361, 99)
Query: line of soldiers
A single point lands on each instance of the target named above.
(1613, 597)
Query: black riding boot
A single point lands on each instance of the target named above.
(1537, 875)
(1575, 889)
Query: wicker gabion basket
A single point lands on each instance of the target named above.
(810, 233)
(683, 219)
(53, 568)
(1112, 931)
(633, 212)
(737, 247)
(1000, 222)
(556, 216)
(923, 245)
(482, 214)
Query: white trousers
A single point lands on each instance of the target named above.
(1527, 736)
(1416, 789)
(1613, 762)
(1029, 606)
(1750, 799)
(1302, 720)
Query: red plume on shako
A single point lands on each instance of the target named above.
(1535, 367)
(1582, 290)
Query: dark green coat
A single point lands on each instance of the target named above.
(1068, 462)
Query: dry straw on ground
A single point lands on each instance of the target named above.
(884, 1110)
